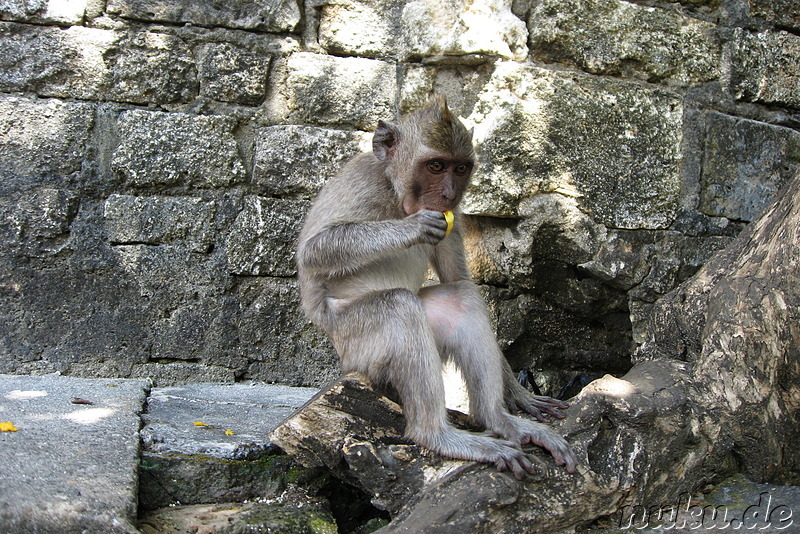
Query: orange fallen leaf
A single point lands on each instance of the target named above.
(7, 427)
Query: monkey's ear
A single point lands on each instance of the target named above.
(385, 140)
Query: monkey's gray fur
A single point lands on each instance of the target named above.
(362, 258)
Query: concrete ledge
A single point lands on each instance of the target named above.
(69, 467)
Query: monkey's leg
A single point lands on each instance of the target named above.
(461, 327)
(386, 335)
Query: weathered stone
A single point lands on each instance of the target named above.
(329, 90)
(612, 145)
(271, 326)
(227, 458)
(160, 220)
(43, 142)
(298, 160)
(44, 11)
(263, 238)
(265, 15)
(622, 38)
(69, 468)
(89, 318)
(174, 148)
(764, 67)
(231, 74)
(458, 28)
(278, 516)
(96, 64)
(40, 222)
(782, 13)
(367, 28)
(745, 164)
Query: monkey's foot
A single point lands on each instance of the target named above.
(464, 445)
(520, 399)
(526, 431)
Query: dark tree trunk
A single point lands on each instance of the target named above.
(715, 390)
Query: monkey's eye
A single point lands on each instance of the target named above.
(462, 169)
(436, 166)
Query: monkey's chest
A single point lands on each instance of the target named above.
(405, 269)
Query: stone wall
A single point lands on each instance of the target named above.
(158, 158)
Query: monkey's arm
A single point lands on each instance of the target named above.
(343, 248)
(449, 260)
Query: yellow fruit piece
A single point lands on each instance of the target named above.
(449, 217)
(7, 427)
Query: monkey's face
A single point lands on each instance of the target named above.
(437, 183)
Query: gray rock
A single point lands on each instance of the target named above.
(39, 223)
(298, 160)
(271, 325)
(69, 468)
(763, 67)
(447, 31)
(231, 74)
(612, 145)
(43, 142)
(96, 64)
(745, 165)
(328, 90)
(174, 148)
(366, 28)
(160, 220)
(44, 11)
(209, 443)
(281, 516)
(782, 13)
(263, 238)
(264, 15)
(621, 38)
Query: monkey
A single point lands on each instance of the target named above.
(362, 257)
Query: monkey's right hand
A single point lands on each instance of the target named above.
(426, 227)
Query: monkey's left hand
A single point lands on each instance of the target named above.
(519, 399)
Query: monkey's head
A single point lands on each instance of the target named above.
(429, 157)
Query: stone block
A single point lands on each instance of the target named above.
(764, 67)
(229, 73)
(328, 90)
(263, 238)
(44, 11)
(366, 28)
(272, 326)
(456, 28)
(96, 64)
(177, 149)
(300, 159)
(226, 459)
(43, 142)
(160, 220)
(39, 223)
(745, 164)
(782, 13)
(70, 468)
(612, 145)
(263, 15)
(623, 38)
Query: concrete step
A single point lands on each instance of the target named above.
(71, 467)
(76, 464)
(209, 443)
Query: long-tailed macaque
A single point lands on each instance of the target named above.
(363, 254)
